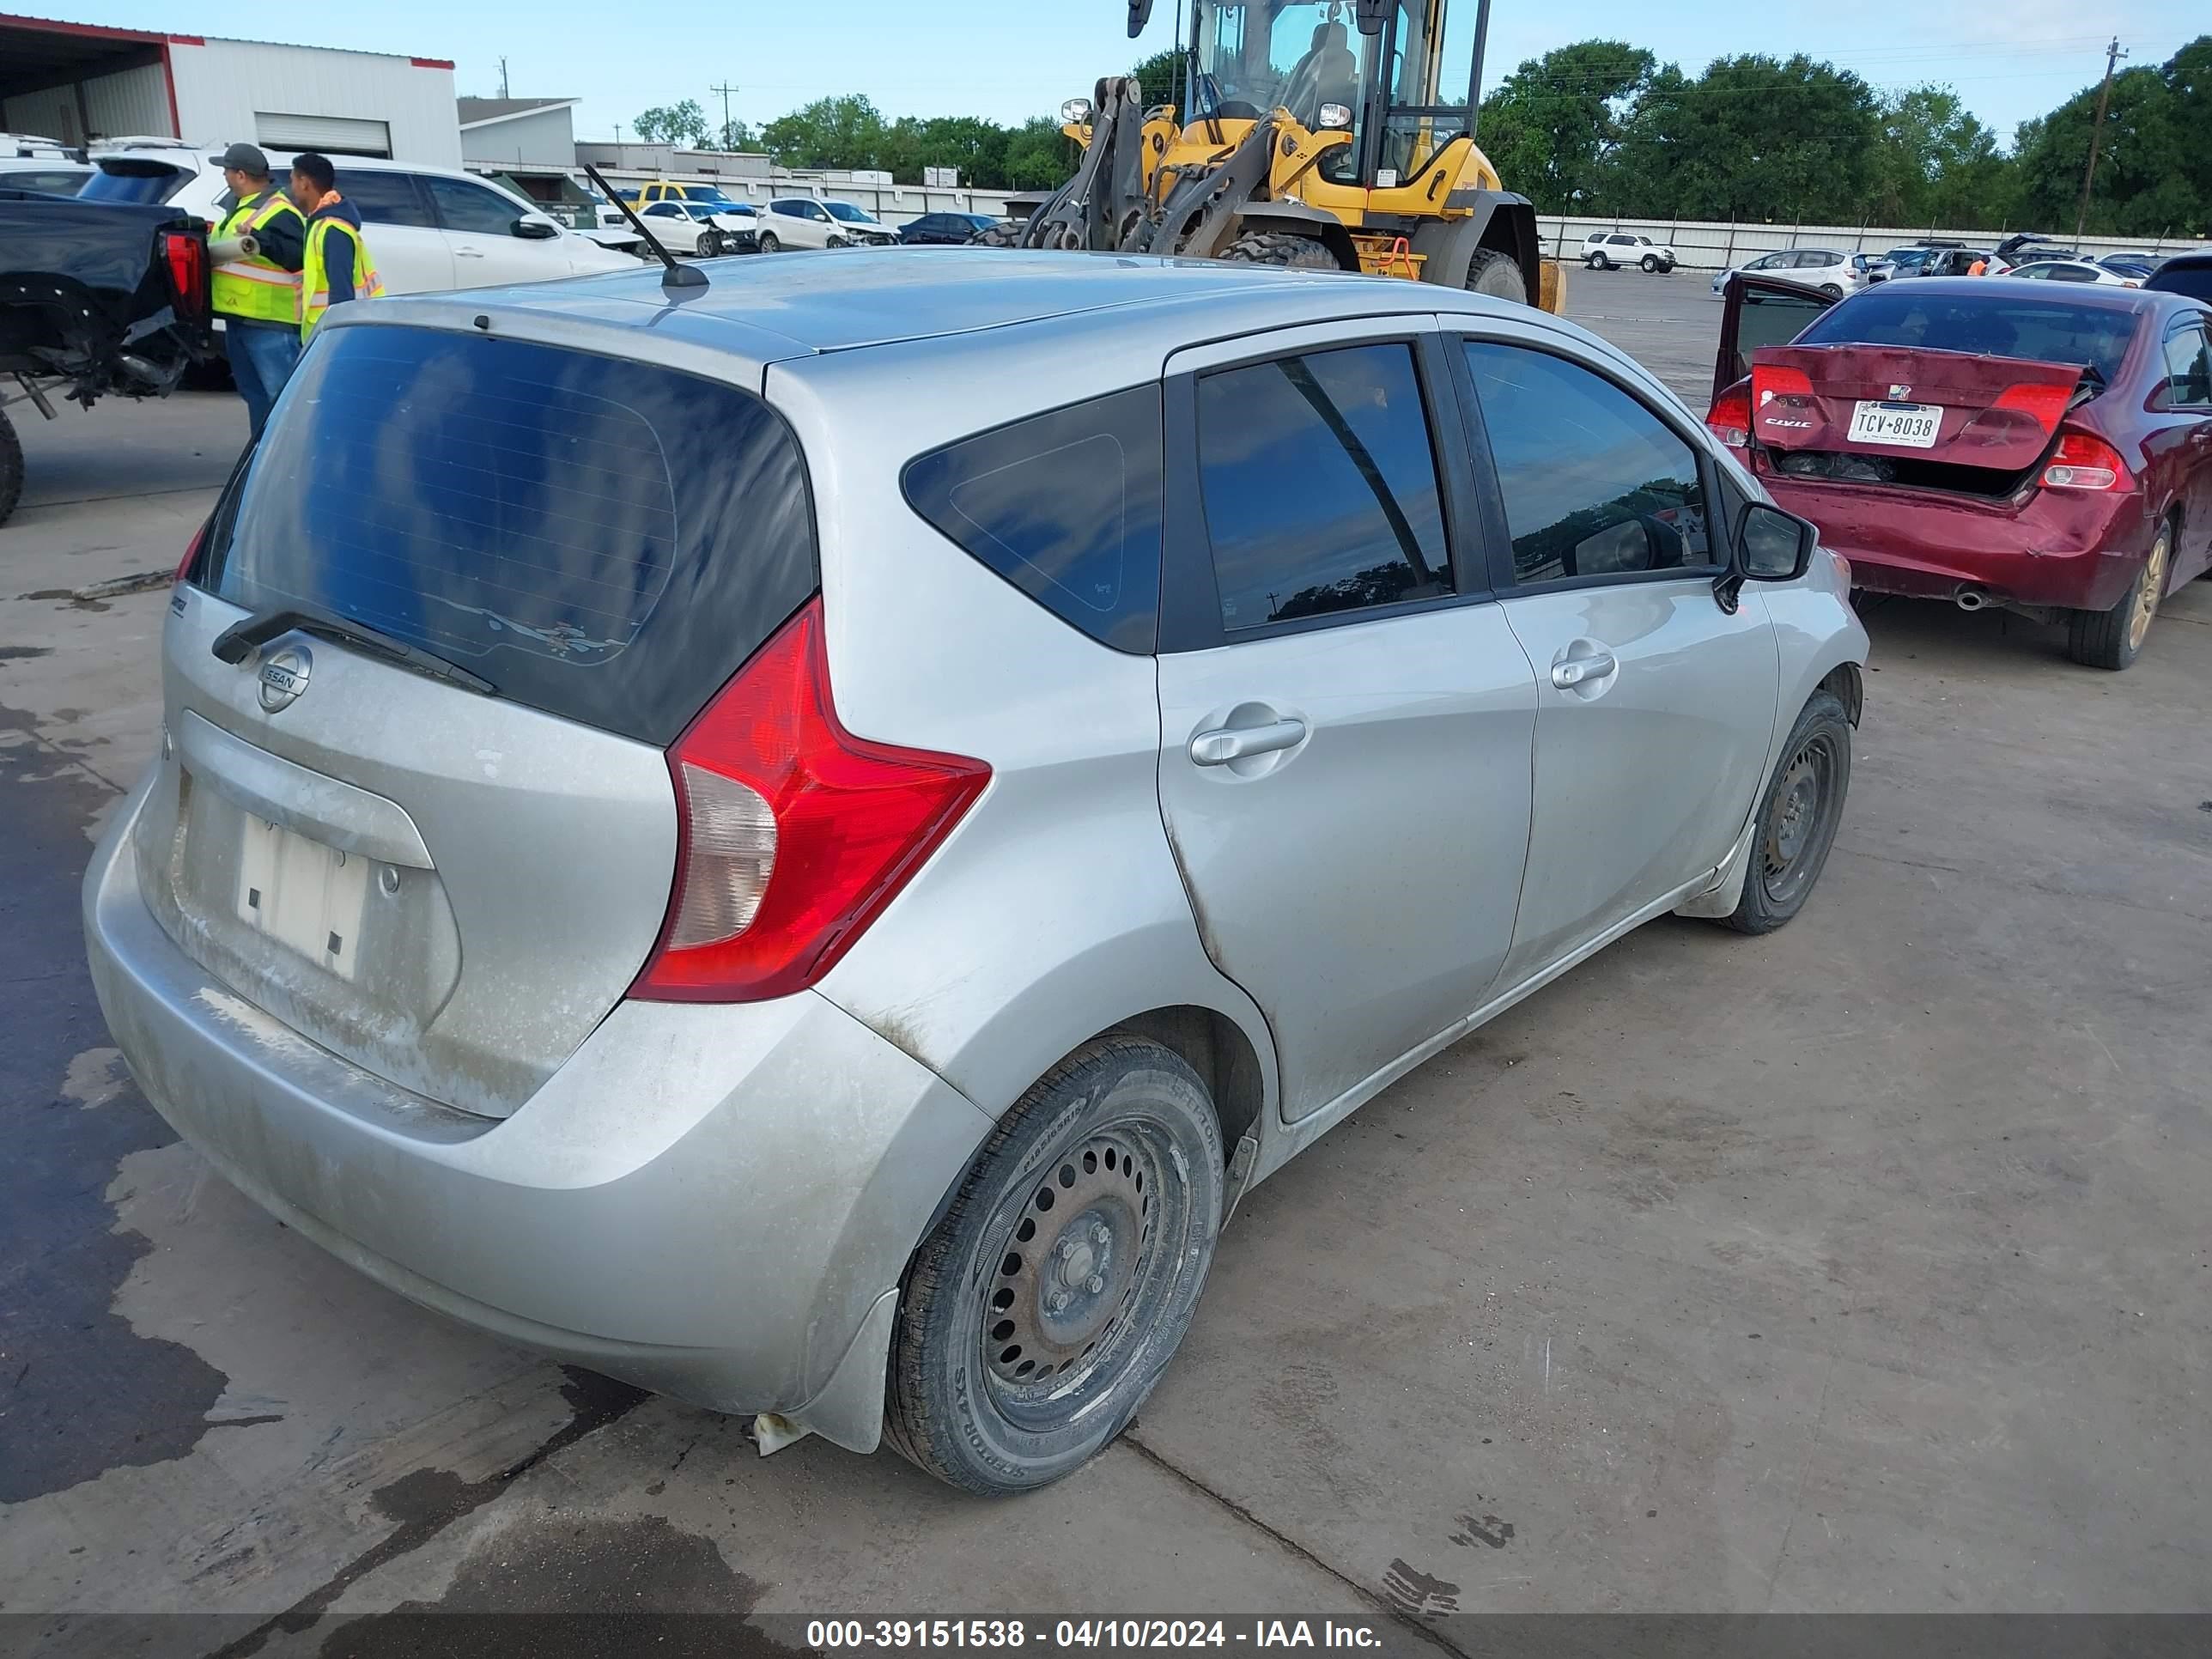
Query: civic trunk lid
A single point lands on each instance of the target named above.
(1954, 409)
(446, 884)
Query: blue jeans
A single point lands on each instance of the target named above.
(261, 358)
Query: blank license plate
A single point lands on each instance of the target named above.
(309, 896)
(1912, 426)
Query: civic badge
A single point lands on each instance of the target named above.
(1900, 391)
(284, 677)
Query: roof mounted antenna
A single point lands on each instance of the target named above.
(675, 276)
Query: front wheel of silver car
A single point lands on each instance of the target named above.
(1039, 1312)
(1797, 817)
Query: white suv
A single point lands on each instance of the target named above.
(1608, 250)
(802, 222)
(427, 228)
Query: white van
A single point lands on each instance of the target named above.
(427, 228)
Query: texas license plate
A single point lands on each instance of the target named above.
(309, 897)
(1912, 426)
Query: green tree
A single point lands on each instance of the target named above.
(1551, 126)
(673, 123)
(1161, 76)
(1038, 155)
(843, 131)
(2153, 177)
(1935, 164)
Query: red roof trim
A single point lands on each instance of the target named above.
(432, 62)
(188, 39)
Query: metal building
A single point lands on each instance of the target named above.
(79, 82)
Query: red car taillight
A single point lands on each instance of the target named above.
(186, 256)
(1729, 418)
(792, 834)
(191, 557)
(2043, 404)
(1769, 382)
(2085, 461)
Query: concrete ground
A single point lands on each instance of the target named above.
(1862, 1266)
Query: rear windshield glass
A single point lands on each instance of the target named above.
(2193, 280)
(2001, 325)
(606, 540)
(121, 180)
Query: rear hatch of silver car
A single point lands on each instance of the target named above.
(427, 822)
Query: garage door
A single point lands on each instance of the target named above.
(333, 134)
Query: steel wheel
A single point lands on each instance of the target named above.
(1039, 1312)
(1799, 818)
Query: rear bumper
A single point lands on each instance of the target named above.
(715, 1202)
(2077, 552)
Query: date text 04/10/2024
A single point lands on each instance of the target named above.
(895, 1634)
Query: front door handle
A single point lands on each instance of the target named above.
(1579, 670)
(468, 253)
(1236, 742)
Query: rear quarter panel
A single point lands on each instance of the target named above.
(1055, 910)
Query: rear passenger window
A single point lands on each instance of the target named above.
(1595, 483)
(1320, 487)
(1065, 506)
(385, 198)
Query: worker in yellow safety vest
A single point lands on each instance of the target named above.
(336, 266)
(257, 250)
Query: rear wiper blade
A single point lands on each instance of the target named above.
(232, 644)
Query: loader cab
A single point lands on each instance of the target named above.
(1398, 74)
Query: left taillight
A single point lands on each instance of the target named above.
(792, 834)
(191, 557)
(185, 255)
(1729, 418)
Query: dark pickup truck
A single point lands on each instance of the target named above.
(95, 298)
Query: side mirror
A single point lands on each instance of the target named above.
(1373, 15)
(1771, 545)
(1140, 13)
(532, 228)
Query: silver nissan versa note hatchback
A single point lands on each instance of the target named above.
(802, 842)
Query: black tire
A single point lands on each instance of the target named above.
(1496, 275)
(2114, 639)
(11, 467)
(1600, 262)
(1798, 814)
(770, 243)
(997, 236)
(1651, 264)
(1286, 248)
(1832, 290)
(838, 242)
(1125, 1134)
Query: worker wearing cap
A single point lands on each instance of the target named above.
(336, 267)
(257, 250)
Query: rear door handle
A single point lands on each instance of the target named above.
(1234, 743)
(1579, 671)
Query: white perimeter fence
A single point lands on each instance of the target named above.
(1711, 247)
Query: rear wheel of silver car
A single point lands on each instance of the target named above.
(1833, 290)
(1039, 1312)
(1797, 817)
(2114, 639)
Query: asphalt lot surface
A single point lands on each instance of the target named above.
(1862, 1266)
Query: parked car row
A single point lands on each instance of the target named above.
(1987, 443)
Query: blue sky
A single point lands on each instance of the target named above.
(2008, 59)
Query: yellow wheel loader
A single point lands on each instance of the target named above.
(1324, 134)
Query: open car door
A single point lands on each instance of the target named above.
(1760, 311)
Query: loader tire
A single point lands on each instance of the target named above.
(998, 236)
(1496, 275)
(1281, 247)
(11, 468)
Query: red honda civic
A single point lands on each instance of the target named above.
(1986, 441)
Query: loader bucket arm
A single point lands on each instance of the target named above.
(1092, 209)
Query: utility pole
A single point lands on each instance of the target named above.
(726, 91)
(502, 77)
(2112, 56)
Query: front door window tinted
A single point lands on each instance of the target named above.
(1065, 506)
(2187, 366)
(473, 208)
(1593, 482)
(1320, 486)
(385, 198)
